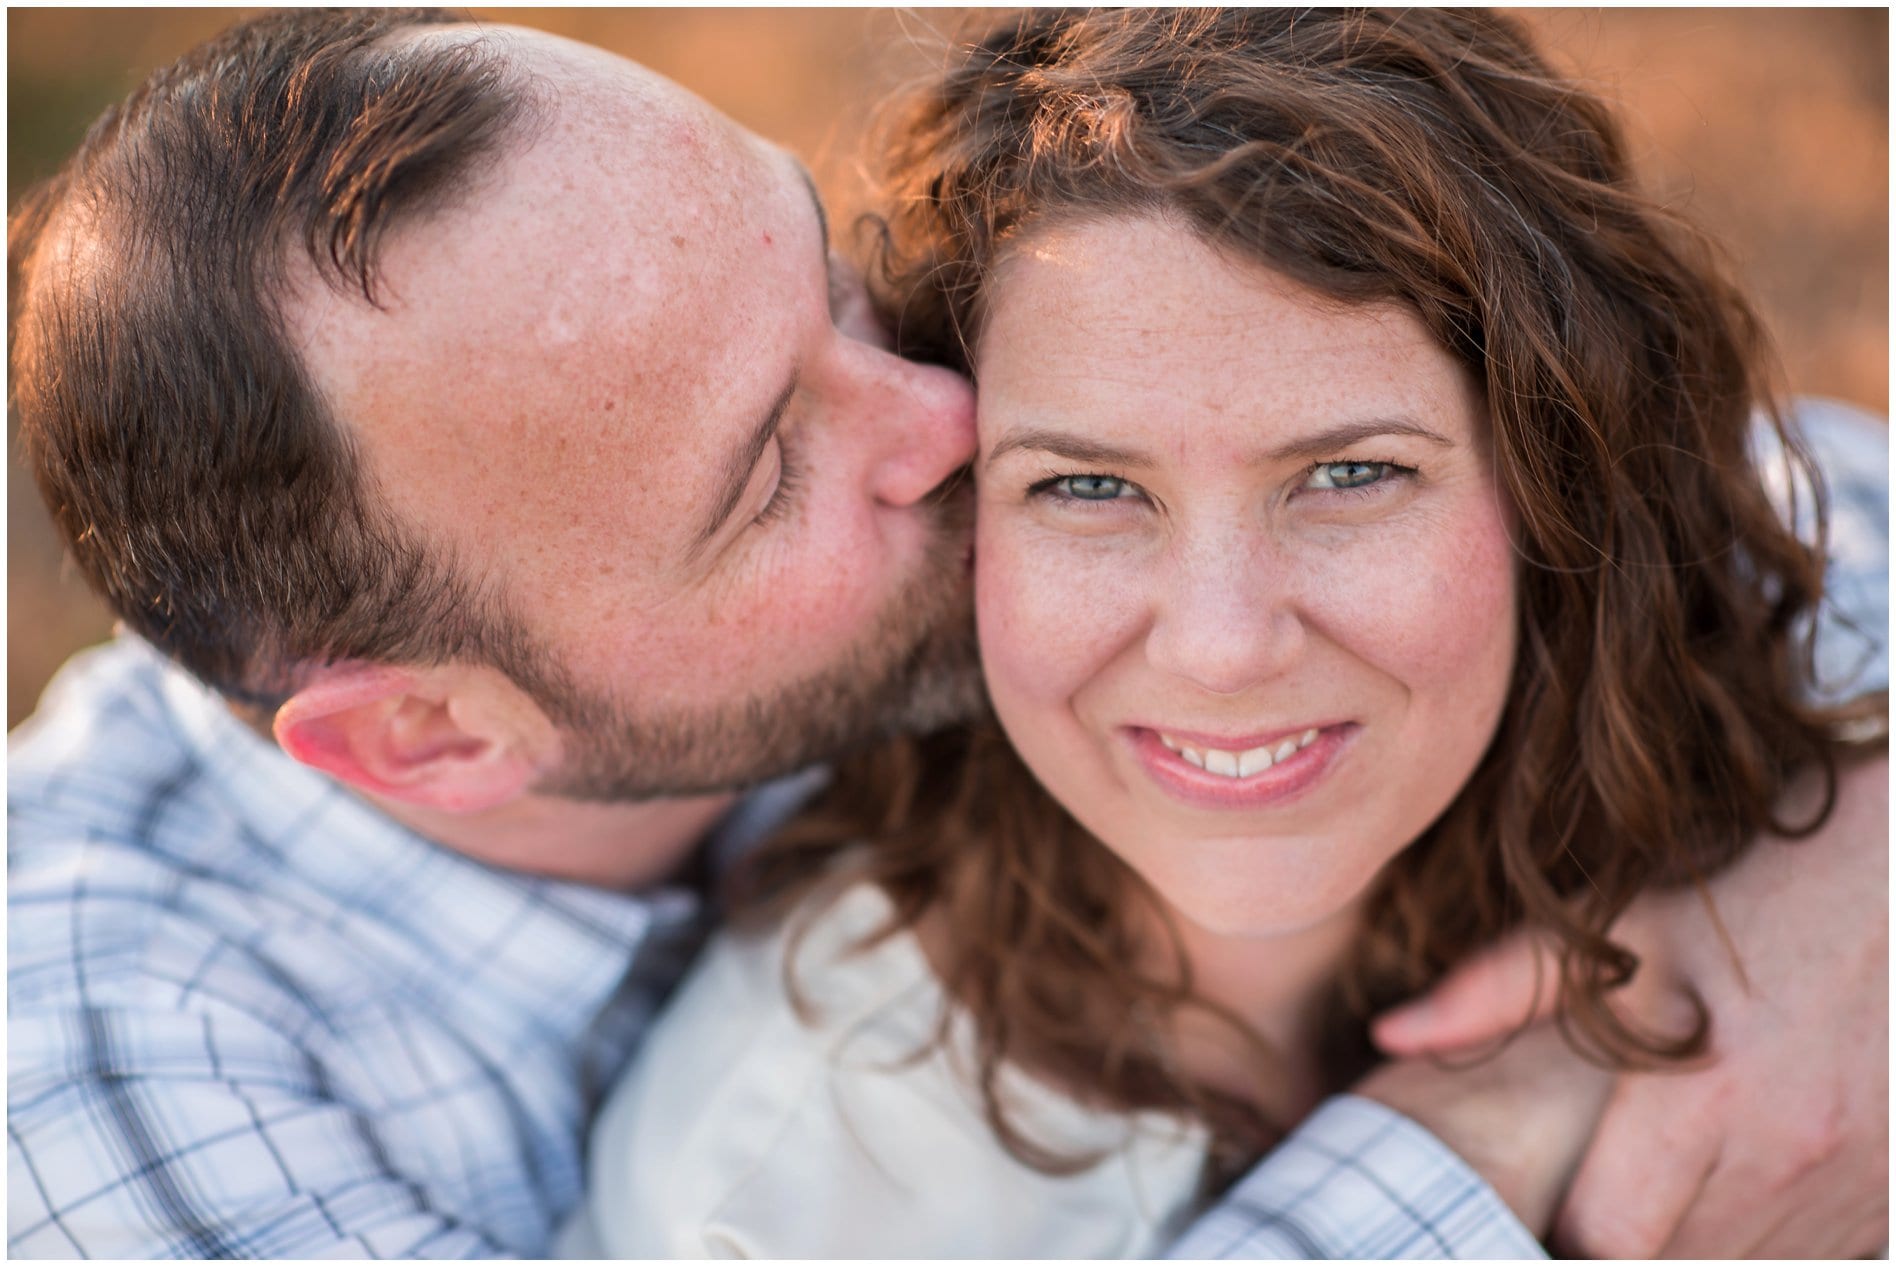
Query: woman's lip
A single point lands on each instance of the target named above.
(1282, 782)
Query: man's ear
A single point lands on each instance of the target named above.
(429, 737)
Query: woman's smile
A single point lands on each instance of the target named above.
(1259, 772)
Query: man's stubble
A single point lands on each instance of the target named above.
(915, 671)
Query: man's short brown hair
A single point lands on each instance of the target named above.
(192, 467)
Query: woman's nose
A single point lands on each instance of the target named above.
(1227, 618)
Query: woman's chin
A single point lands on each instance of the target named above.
(1232, 907)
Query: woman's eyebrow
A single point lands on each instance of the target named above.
(1062, 444)
(1319, 444)
(1315, 444)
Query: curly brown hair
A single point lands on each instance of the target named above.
(1657, 710)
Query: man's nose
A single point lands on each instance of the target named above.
(919, 422)
(1227, 617)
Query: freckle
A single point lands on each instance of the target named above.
(611, 405)
(678, 240)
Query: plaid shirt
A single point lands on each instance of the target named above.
(1851, 448)
(251, 1017)
(1358, 1180)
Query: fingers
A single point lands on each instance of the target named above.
(1520, 1117)
(1818, 1198)
(1643, 1171)
(1829, 1222)
(1492, 994)
(1870, 1238)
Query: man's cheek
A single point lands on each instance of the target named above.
(810, 571)
(848, 573)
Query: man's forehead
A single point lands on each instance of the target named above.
(609, 214)
(566, 75)
(584, 306)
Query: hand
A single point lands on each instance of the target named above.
(1777, 1145)
(1520, 1117)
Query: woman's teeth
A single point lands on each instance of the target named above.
(1238, 765)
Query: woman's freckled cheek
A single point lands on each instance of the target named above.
(1048, 613)
(1006, 609)
(1429, 606)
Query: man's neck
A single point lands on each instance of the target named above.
(623, 847)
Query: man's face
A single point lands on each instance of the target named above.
(621, 385)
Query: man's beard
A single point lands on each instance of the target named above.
(917, 670)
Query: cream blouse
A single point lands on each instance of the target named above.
(745, 1131)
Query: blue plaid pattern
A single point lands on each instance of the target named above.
(1852, 451)
(1358, 1180)
(251, 1017)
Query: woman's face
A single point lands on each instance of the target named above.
(1246, 594)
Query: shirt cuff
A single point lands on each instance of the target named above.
(1359, 1180)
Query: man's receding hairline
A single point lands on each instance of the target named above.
(523, 46)
(533, 107)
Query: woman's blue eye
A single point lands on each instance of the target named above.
(1347, 474)
(1090, 488)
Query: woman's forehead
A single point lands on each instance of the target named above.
(1144, 310)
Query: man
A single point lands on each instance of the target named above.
(484, 419)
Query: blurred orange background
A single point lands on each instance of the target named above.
(1769, 126)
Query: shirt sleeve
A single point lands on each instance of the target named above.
(1851, 450)
(156, 1134)
(1359, 1180)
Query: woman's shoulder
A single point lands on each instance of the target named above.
(754, 1125)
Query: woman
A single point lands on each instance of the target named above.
(1370, 559)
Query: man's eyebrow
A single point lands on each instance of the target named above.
(816, 200)
(738, 467)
